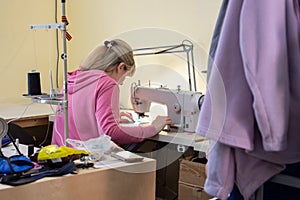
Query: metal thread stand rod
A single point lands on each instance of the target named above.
(64, 103)
(65, 71)
(171, 49)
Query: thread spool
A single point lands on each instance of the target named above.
(34, 83)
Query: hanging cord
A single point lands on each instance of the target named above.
(34, 47)
(19, 117)
(15, 53)
(14, 143)
(46, 136)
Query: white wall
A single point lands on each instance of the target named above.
(141, 23)
(146, 24)
(21, 49)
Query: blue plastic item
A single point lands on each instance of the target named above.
(5, 141)
(15, 164)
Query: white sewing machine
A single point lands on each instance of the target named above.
(183, 106)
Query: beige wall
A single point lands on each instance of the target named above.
(141, 23)
(22, 49)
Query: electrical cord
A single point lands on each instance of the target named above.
(46, 136)
(48, 129)
(19, 117)
(14, 119)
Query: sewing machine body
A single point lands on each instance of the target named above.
(183, 106)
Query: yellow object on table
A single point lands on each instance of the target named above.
(51, 152)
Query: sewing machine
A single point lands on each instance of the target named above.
(183, 106)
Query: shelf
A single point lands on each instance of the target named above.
(47, 99)
(56, 102)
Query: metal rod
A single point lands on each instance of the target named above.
(155, 53)
(166, 48)
(189, 69)
(64, 103)
(65, 71)
(193, 67)
(45, 26)
(159, 47)
(171, 49)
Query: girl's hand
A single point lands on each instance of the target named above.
(126, 117)
(160, 122)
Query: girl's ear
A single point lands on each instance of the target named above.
(121, 67)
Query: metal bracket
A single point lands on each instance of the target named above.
(60, 26)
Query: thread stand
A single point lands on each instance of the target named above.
(61, 102)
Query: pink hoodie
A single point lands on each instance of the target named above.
(93, 109)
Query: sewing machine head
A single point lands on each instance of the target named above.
(183, 106)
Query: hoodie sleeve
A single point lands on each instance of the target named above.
(108, 116)
(265, 55)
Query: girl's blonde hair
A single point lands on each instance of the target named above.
(108, 56)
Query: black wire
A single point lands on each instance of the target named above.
(166, 50)
(14, 142)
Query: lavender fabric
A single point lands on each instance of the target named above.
(252, 106)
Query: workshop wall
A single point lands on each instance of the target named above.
(141, 23)
(22, 49)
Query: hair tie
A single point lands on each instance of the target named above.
(108, 44)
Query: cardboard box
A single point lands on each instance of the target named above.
(186, 192)
(191, 181)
